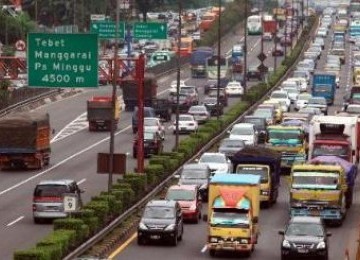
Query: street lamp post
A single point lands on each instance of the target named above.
(245, 46)
(218, 60)
(178, 74)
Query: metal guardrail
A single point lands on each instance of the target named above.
(99, 236)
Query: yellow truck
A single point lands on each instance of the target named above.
(356, 75)
(319, 190)
(290, 141)
(233, 212)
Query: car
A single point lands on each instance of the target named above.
(192, 92)
(234, 88)
(189, 199)
(310, 110)
(185, 102)
(301, 83)
(305, 237)
(148, 112)
(260, 126)
(302, 74)
(173, 85)
(320, 41)
(212, 84)
(153, 144)
(162, 220)
(215, 108)
(254, 73)
(217, 162)
(267, 36)
(293, 93)
(278, 51)
(223, 97)
(322, 32)
(187, 124)
(244, 131)
(277, 107)
(266, 111)
(315, 49)
(196, 174)
(286, 40)
(283, 98)
(48, 199)
(290, 84)
(302, 100)
(319, 102)
(311, 55)
(353, 109)
(230, 146)
(154, 124)
(200, 113)
(305, 66)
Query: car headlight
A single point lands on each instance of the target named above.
(321, 245)
(243, 241)
(142, 226)
(264, 192)
(213, 239)
(192, 207)
(170, 227)
(286, 244)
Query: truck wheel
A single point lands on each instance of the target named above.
(46, 161)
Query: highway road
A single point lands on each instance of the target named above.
(271, 220)
(74, 152)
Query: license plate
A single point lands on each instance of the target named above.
(314, 213)
(155, 237)
(183, 128)
(303, 250)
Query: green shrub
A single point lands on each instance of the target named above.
(163, 160)
(101, 208)
(137, 182)
(179, 156)
(82, 230)
(64, 239)
(36, 253)
(154, 172)
(115, 205)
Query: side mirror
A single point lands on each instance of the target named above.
(328, 234)
(281, 232)
(255, 220)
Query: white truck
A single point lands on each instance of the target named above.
(334, 135)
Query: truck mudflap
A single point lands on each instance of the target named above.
(231, 246)
(288, 159)
(324, 213)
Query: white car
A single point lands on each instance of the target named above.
(302, 100)
(267, 36)
(153, 124)
(301, 82)
(173, 85)
(246, 132)
(283, 98)
(187, 124)
(293, 93)
(200, 113)
(217, 162)
(234, 88)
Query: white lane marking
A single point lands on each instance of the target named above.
(15, 221)
(81, 181)
(203, 250)
(61, 162)
(73, 127)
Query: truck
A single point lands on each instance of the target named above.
(334, 135)
(100, 113)
(263, 162)
(233, 213)
(25, 140)
(356, 76)
(129, 87)
(318, 190)
(290, 141)
(237, 58)
(324, 85)
(269, 26)
(198, 61)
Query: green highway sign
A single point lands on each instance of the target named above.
(106, 29)
(150, 31)
(62, 60)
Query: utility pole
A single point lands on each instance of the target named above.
(245, 47)
(218, 60)
(292, 22)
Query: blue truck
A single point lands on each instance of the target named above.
(198, 61)
(324, 85)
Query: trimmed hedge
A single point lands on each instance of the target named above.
(70, 232)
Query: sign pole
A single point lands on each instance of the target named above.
(140, 71)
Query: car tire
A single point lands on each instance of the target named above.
(181, 234)
(174, 241)
(141, 241)
(37, 220)
(212, 252)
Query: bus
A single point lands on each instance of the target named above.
(254, 25)
(354, 30)
(212, 67)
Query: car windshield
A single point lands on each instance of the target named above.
(212, 158)
(226, 217)
(265, 113)
(283, 135)
(353, 109)
(305, 229)
(210, 100)
(242, 130)
(197, 109)
(299, 74)
(318, 101)
(194, 174)
(258, 122)
(150, 121)
(180, 195)
(291, 90)
(278, 95)
(232, 143)
(185, 118)
(155, 212)
(315, 180)
(260, 171)
(148, 135)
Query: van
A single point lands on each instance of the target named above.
(148, 112)
(48, 198)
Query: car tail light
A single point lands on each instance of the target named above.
(34, 207)
(45, 199)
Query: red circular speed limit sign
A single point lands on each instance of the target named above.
(20, 45)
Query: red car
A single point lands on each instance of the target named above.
(189, 199)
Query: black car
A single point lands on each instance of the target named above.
(223, 97)
(196, 174)
(153, 144)
(305, 237)
(213, 107)
(185, 102)
(260, 126)
(161, 221)
(253, 73)
(213, 84)
(231, 146)
(278, 51)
